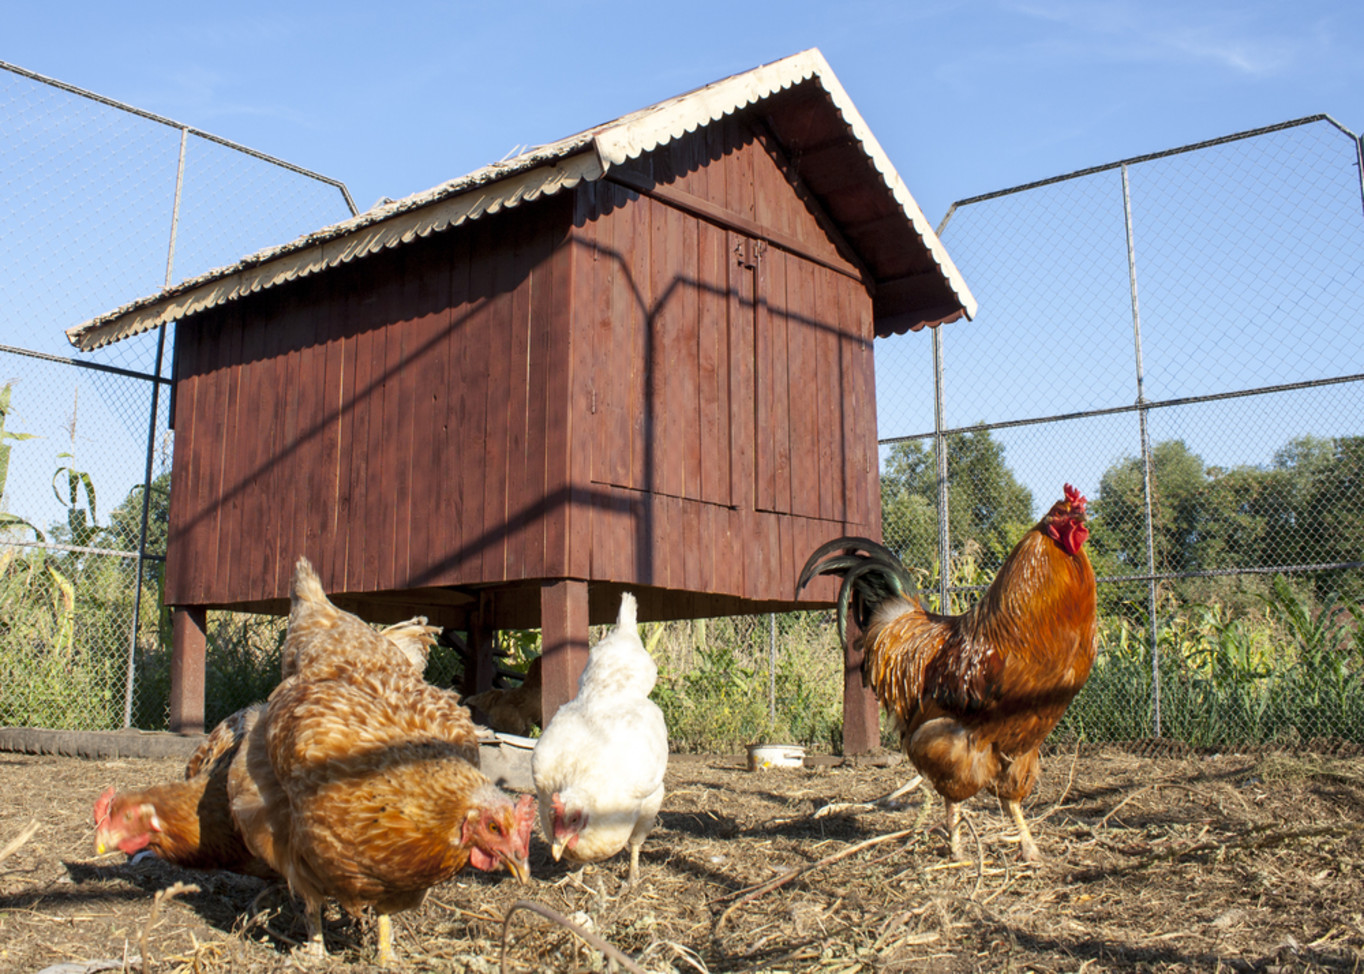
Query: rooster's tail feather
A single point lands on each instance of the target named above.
(868, 579)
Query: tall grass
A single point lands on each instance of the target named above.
(1290, 674)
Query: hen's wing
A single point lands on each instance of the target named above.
(222, 742)
(372, 766)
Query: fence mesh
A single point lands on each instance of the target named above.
(101, 203)
(1179, 335)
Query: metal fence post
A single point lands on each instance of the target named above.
(772, 671)
(940, 456)
(151, 447)
(1145, 451)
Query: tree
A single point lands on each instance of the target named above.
(987, 507)
(1177, 484)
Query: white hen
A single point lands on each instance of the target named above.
(598, 766)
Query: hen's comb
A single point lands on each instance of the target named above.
(525, 822)
(102, 804)
(1076, 498)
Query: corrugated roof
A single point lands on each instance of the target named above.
(917, 282)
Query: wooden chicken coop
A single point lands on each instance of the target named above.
(639, 358)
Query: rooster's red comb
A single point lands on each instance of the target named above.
(1076, 498)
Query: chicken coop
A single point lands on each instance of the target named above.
(639, 358)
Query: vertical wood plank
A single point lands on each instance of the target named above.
(326, 537)
(471, 350)
(567, 426)
(230, 463)
(564, 634)
(519, 395)
(185, 516)
(496, 325)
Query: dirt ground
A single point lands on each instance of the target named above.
(1212, 862)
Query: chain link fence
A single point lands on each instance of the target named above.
(1178, 335)
(101, 203)
(1182, 337)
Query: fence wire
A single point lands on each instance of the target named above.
(102, 203)
(1178, 335)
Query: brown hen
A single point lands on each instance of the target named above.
(188, 823)
(365, 787)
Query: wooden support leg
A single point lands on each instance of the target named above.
(189, 642)
(479, 676)
(861, 719)
(563, 622)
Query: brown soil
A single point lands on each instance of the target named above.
(1191, 863)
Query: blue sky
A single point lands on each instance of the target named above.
(965, 97)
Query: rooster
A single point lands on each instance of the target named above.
(360, 782)
(974, 695)
(189, 822)
(598, 767)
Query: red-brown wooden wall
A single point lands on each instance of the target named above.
(606, 385)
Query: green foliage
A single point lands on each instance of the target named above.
(1288, 675)
(716, 680)
(987, 507)
(7, 520)
(1305, 507)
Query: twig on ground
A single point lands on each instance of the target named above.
(838, 808)
(980, 857)
(1256, 838)
(753, 892)
(554, 916)
(1070, 780)
(13, 845)
(162, 896)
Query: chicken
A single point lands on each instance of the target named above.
(188, 823)
(360, 782)
(598, 767)
(513, 711)
(974, 695)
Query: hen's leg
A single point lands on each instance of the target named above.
(634, 864)
(385, 957)
(312, 920)
(1030, 853)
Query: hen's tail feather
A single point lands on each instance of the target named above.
(307, 586)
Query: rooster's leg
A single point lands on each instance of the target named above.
(385, 957)
(1030, 853)
(954, 829)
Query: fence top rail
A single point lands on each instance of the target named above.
(1130, 408)
(162, 120)
(1148, 157)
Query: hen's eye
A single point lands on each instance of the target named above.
(494, 828)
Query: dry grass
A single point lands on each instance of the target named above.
(1176, 864)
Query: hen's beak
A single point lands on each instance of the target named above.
(518, 867)
(556, 848)
(99, 847)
